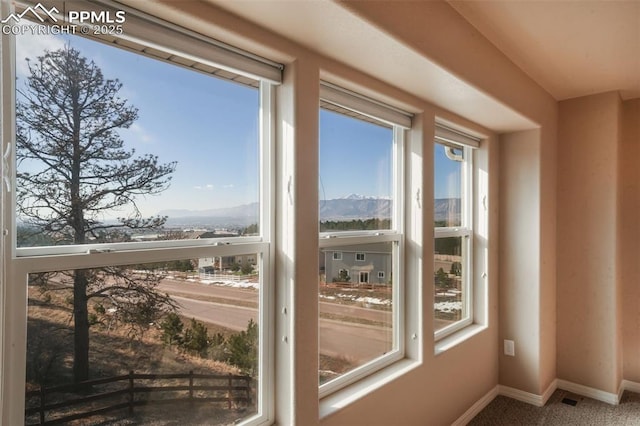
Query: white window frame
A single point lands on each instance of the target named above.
(464, 231)
(380, 274)
(361, 257)
(18, 263)
(399, 122)
(337, 255)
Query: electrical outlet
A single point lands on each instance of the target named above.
(509, 348)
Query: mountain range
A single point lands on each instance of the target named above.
(347, 208)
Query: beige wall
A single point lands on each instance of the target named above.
(548, 254)
(435, 29)
(630, 237)
(587, 306)
(528, 258)
(519, 259)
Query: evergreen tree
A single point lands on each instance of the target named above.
(196, 339)
(243, 349)
(172, 329)
(73, 168)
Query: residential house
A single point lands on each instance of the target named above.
(361, 264)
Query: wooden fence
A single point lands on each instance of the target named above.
(64, 403)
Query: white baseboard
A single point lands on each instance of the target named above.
(630, 386)
(550, 390)
(537, 400)
(597, 394)
(476, 408)
(520, 395)
(541, 400)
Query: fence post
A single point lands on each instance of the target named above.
(191, 385)
(42, 393)
(131, 393)
(229, 392)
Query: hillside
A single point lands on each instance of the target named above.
(350, 207)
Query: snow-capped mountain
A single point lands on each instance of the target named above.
(350, 207)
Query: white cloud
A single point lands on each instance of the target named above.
(31, 46)
(140, 134)
(207, 187)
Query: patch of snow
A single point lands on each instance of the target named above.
(327, 297)
(232, 283)
(373, 301)
(448, 306)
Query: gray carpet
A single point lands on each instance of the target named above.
(504, 411)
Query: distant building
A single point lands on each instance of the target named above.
(363, 264)
(446, 262)
(222, 263)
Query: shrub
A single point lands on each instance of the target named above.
(343, 276)
(172, 329)
(243, 349)
(196, 340)
(246, 269)
(218, 347)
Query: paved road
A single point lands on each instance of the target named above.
(356, 342)
(250, 295)
(229, 316)
(186, 287)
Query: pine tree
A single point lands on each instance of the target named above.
(74, 168)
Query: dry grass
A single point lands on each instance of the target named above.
(112, 352)
(332, 367)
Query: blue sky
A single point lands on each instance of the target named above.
(355, 157)
(210, 127)
(207, 125)
(447, 177)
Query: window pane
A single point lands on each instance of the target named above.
(356, 174)
(450, 291)
(356, 305)
(448, 186)
(191, 323)
(114, 146)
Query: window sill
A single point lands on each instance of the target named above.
(340, 399)
(458, 337)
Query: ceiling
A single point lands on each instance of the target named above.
(570, 48)
(331, 29)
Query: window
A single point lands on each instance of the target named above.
(337, 255)
(453, 245)
(380, 274)
(361, 213)
(136, 218)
